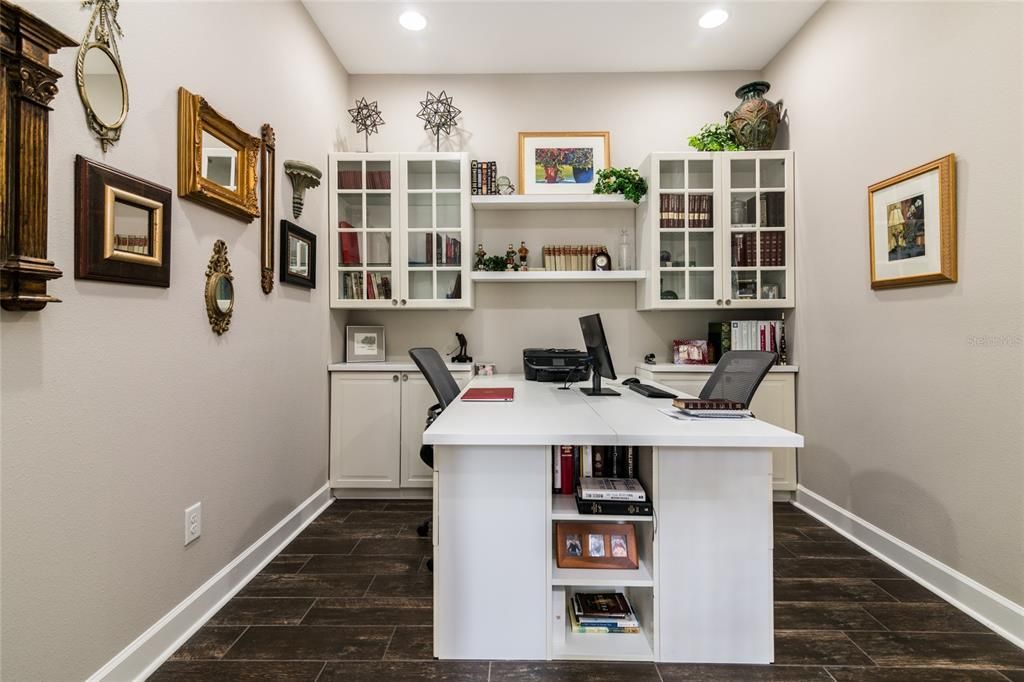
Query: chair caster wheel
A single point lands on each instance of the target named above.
(423, 530)
(430, 565)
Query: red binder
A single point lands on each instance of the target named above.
(489, 395)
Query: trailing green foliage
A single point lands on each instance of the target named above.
(624, 181)
(715, 137)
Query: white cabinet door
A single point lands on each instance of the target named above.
(365, 417)
(417, 396)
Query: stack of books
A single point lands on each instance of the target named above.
(571, 257)
(602, 612)
(717, 407)
(483, 176)
(570, 463)
(612, 496)
(743, 335)
(678, 210)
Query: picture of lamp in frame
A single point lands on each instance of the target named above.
(122, 226)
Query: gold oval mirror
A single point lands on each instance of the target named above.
(220, 289)
(99, 76)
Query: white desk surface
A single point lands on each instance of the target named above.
(391, 365)
(542, 414)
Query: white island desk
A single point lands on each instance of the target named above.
(703, 591)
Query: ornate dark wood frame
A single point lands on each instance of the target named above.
(268, 188)
(289, 229)
(27, 86)
(195, 115)
(95, 185)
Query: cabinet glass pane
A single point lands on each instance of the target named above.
(673, 249)
(350, 175)
(673, 285)
(449, 284)
(743, 208)
(701, 174)
(421, 211)
(378, 175)
(350, 248)
(702, 286)
(421, 284)
(700, 211)
(378, 249)
(378, 211)
(743, 247)
(773, 249)
(673, 174)
(420, 175)
(350, 286)
(744, 284)
(448, 249)
(702, 250)
(421, 249)
(350, 211)
(448, 175)
(742, 173)
(449, 210)
(773, 172)
(773, 209)
(773, 284)
(378, 284)
(671, 211)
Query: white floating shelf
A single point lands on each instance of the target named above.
(550, 202)
(560, 276)
(601, 577)
(563, 508)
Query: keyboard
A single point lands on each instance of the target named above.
(650, 391)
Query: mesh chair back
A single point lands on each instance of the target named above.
(737, 376)
(437, 375)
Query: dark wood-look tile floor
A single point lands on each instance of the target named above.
(351, 599)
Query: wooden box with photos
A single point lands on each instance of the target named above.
(596, 545)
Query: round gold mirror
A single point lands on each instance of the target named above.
(220, 289)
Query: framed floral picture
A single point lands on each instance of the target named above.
(562, 163)
(912, 226)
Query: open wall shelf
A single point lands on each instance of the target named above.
(560, 276)
(549, 202)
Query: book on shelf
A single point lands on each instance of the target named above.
(602, 612)
(565, 453)
(601, 627)
(571, 463)
(707, 404)
(348, 244)
(763, 335)
(613, 507)
(625, 489)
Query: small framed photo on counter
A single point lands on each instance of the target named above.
(364, 344)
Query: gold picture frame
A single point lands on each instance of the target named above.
(198, 122)
(557, 177)
(912, 226)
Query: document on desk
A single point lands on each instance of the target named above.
(489, 395)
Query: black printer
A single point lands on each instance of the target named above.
(555, 364)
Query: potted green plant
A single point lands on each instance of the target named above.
(715, 137)
(624, 181)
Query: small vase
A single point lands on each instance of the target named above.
(583, 175)
(551, 174)
(755, 120)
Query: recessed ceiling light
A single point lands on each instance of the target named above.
(414, 21)
(712, 18)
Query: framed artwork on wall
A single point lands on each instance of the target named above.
(912, 226)
(122, 226)
(298, 255)
(364, 344)
(562, 162)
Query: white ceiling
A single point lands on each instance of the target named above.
(556, 36)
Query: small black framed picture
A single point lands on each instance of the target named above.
(298, 255)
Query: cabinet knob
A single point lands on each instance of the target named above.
(728, 301)
(394, 301)
(403, 301)
(718, 302)
(394, 377)
(405, 377)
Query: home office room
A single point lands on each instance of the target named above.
(349, 340)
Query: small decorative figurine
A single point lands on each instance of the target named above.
(478, 264)
(463, 355)
(505, 185)
(523, 253)
(510, 258)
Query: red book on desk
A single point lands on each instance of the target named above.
(489, 395)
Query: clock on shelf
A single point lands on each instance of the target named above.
(601, 262)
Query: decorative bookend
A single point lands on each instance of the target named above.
(303, 177)
(438, 115)
(367, 118)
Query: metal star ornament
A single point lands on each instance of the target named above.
(438, 114)
(367, 118)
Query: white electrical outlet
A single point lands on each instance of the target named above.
(193, 522)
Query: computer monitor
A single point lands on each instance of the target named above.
(600, 358)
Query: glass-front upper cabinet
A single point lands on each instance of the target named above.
(364, 224)
(436, 231)
(759, 240)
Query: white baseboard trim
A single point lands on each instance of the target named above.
(979, 602)
(139, 659)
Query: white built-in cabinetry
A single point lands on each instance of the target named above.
(401, 230)
(378, 413)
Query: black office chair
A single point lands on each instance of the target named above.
(441, 381)
(737, 375)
